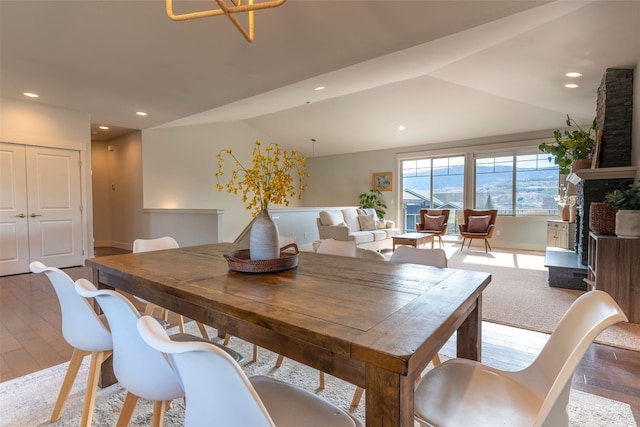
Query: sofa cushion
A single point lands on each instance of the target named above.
(331, 217)
(367, 222)
(433, 222)
(361, 236)
(379, 235)
(371, 211)
(390, 232)
(478, 224)
(351, 219)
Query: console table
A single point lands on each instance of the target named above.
(614, 267)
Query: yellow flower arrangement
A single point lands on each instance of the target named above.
(269, 178)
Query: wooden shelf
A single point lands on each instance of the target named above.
(614, 268)
(601, 173)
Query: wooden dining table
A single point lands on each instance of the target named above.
(372, 323)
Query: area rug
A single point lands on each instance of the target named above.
(519, 294)
(29, 400)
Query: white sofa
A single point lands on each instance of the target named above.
(355, 224)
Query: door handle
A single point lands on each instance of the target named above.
(33, 215)
(21, 215)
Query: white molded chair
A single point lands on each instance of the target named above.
(338, 247)
(85, 331)
(409, 254)
(463, 392)
(218, 392)
(140, 369)
(147, 245)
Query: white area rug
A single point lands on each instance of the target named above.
(29, 400)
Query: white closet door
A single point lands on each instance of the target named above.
(55, 206)
(40, 208)
(14, 220)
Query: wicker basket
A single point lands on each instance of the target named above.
(602, 218)
(242, 262)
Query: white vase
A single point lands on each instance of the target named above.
(628, 224)
(264, 239)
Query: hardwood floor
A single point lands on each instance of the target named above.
(30, 340)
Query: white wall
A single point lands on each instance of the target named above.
(101, 191)
(124, 189)
(32, 123)
(179, 165)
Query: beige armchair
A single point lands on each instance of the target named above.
(478, 224)
(434, 221)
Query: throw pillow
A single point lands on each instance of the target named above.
(331, 217)
(367, 222)
(433, 223)
(478, 224)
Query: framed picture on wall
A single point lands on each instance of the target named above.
(382, 181)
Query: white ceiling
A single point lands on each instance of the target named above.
(447, 70)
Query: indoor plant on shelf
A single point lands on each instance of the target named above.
(269, 180)
(570, 146)
(627, 202)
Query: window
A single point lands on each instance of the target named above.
(521, 184)
(436, 183)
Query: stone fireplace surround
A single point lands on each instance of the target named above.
(614, 171)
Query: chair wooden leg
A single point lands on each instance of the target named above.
(440, 241)
(488, 244)
(149, 309)
(436, 360)
(180, 322)
(160, 408)
(126, 412)
(321, 380)
(69, 378)
(97, 357)
(469, 245)
(463, 240)
(357, 395)
(279, 361)
(255, 353)
(203, 331)
(227, 338)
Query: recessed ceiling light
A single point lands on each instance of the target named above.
(571, 85)
(104, 127)
(573, 74)
(401, 127)
(319, 88)
(141, 113)
(31, 94)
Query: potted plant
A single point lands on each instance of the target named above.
(269, 179)
(570, 145)
(628, 216)
(373, 200)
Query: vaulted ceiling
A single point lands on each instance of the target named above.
(446, 70)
